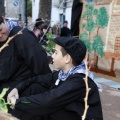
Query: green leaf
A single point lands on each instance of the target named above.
(3, 92)
(51, 44)
(3, 106)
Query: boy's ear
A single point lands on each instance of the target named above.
(68, 59)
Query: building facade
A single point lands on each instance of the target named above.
(12, 10)
(15, 9)
(35, 9)
(61, 10)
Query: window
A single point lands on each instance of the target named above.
(62, 18)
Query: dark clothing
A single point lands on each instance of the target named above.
(62, 102)
(65, 32)
(76, 16)
(38, 33)
(21, 59)
(44, 40)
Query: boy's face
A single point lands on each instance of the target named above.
(4, 31)
(58, 58)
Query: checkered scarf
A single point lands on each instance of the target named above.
(11, 24)
(77, 69)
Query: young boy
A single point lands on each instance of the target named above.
(64, 93)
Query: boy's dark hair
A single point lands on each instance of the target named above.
(65, 53)
(1, 19)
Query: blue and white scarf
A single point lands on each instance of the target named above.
(77, 69)
(11, 24)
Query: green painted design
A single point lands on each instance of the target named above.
(84, 38)
(90, 24)
(102, 17)
(98, 45)
(89, 11)
(95, 19)
(95, 12)
(84, 26)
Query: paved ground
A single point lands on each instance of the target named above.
(110, 96)
(110, 99)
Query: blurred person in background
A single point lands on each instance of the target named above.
(37, 28)
(44, 40)
(56, 30)
(20, 23)
(65, 31)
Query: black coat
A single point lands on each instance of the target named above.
(65, 32)
(62, 102)
(24, 57)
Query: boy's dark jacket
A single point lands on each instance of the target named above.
(22, 58)
(62, 102)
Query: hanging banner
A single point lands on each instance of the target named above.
(100, 31)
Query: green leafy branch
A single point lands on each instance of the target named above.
(3, 104)
(51, 45)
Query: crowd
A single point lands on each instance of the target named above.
(37, 93)
(41, 28)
